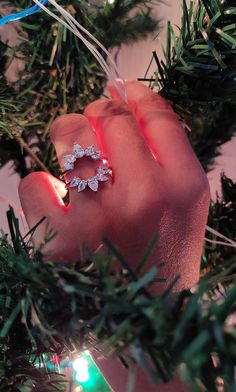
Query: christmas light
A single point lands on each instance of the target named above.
(22, 14)
(80, 365)
(78, 389)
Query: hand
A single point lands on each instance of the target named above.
(158, 187)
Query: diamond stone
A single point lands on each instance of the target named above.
(102, 177)
(82, 185)
(74, 182)
(79, 151)
(93, 184)
(103, 170)
(68, 166)
(96, 155)
(89, 151)
(70, 158)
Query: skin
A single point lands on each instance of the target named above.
(158, 187)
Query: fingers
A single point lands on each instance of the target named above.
(41, 195)
(65, 132)
(120, 137)
(161, 127)
(69, 129)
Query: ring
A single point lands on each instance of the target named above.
(92, 182)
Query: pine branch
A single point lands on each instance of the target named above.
(218, 260)
(61, 76)
(57, 308)
(202, 56)
(199, 73)
(29, 151)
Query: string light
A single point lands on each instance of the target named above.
(74, 26)
(22, 14)
(78, 389)
(80, 365)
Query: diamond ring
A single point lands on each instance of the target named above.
(92, 182)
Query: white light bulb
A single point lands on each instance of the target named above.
(80, 365)
(82, 376)
(78, 389)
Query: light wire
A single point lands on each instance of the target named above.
(71, 25)
(21, 14)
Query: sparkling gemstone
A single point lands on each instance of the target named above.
(103, 170)
(96, 155)
(79, 152)
(68, 166)
(102, 177)
(75, 182)
(70, 158)
(89, 151)
(93, 184)
(82, 185)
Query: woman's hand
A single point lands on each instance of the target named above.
(158, 186)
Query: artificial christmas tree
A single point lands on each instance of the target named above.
(61, 309)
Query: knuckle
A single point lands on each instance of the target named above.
(201, 183)
(197, 189)
(143, 96)
(154, 102)
(107, 107)
(154, 108)
(204, 187)
(65, 124)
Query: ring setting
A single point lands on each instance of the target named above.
(80, 152)
(92, 182)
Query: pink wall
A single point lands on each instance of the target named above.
(133, 62)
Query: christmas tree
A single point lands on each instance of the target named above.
(39, 302)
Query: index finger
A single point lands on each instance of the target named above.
(161, 127)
